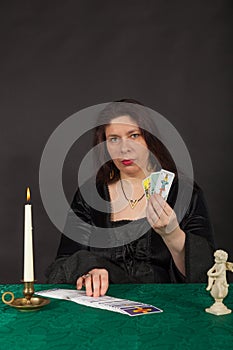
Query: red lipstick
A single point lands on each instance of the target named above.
(127, 161)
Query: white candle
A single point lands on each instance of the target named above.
(28, 275)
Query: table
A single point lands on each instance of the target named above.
(66, 325)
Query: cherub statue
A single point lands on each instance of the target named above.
(217, 283)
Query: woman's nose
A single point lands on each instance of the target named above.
(125, 146)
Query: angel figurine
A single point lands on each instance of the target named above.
(217, 283)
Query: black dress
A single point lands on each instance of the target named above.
(143, 259)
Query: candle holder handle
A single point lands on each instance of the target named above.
(10, 300)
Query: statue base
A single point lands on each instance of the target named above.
(218, 308)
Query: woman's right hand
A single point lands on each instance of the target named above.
(95, 281)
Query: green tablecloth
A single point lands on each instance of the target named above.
(66, 325)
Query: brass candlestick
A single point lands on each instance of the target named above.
(28, 291)
(28, 303)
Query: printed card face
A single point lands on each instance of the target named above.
(154, 178)
(141, 310)
(146, 185)
(164, 183)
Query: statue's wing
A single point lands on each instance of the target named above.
(229, 266)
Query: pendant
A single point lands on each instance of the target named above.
(133, 202)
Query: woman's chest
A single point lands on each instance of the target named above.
(126, 208)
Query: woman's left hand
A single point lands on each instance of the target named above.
(161, 216)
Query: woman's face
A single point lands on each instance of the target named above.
(127, 147)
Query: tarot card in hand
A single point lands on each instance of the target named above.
(153, 181)
(163, 183)
(146, 185)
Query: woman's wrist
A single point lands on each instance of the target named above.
(175, 239)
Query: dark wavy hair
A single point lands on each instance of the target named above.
(159, 157)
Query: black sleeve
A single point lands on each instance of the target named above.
(73, 257)
(67, 269)
(199, 243)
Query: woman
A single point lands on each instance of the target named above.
(157, 244)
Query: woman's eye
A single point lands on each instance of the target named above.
(134, 136)
(114, 139)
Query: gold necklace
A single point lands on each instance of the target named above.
(132, 202)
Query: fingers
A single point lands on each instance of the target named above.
(160, 215)
(96, 282)
(158, 210)
(104, 283)
(160, 205)
(79, 283)
(88, 285)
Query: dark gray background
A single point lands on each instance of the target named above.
(60, 57)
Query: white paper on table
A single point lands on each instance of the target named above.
(104, 302)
